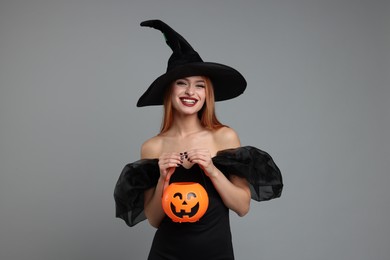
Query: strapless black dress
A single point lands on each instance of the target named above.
(210, 237)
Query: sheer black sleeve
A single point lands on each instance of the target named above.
(129, 190)
(256, 166)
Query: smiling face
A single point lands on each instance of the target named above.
(205, 106)
(188, 94)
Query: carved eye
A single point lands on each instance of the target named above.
(191, 195)
(178, 194)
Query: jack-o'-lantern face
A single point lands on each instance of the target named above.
(185, 201)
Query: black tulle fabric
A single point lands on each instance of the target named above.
(249, 162)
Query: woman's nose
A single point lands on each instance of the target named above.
(189, 90)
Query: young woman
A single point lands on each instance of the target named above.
(187, 135)
(193, 147)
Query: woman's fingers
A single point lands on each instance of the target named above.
(168, 161)
(203, 158)
(199, 155)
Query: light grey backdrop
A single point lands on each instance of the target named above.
(317, 100)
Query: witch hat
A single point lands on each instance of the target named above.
(227, 82)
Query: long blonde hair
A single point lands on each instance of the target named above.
(207, 116)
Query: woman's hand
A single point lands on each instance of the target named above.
(203, 158)
(167, 164)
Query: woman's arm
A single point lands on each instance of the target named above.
(234, 191)
(167, 165)
(153, 208)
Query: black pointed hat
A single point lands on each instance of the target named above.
(184, 62)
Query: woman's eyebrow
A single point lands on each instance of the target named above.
(196, 81)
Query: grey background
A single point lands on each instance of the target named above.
(317, 100)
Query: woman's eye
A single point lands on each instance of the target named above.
(179, 82)
(200, 86)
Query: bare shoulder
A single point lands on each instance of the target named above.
(151, 148)
(226, 138)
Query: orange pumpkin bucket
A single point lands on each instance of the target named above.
(185, 201)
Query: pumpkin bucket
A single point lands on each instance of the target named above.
(185, 201)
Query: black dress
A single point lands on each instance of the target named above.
(210, 237)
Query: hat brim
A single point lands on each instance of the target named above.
(227, 82)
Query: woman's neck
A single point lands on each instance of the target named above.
(184, 125)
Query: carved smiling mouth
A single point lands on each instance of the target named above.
(183, 214)
(188, 101)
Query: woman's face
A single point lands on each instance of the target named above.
(188, 94)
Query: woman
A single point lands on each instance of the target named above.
(193, 147)
(198, 142)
